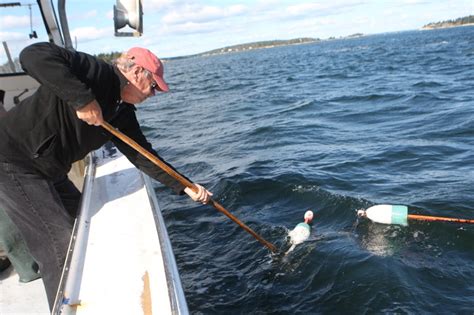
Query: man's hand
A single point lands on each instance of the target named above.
(91, 113)
(203, 195)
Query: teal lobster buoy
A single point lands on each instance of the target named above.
(386, 214)
(301, 231)
(393, 214)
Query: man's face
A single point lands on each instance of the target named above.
(140, 86)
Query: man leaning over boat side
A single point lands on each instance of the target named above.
(59, 124)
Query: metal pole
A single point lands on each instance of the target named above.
(10, 60)
(64, 24)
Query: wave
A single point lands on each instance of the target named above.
(427, 84)
(333, 127)
(366, 98)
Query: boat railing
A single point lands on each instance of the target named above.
(72, 272)
(175, 289)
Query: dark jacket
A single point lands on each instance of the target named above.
(43, 132)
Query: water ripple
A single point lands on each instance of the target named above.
(334, 127)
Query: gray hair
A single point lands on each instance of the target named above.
(125, 64)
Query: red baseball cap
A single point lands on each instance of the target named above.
(146, 59)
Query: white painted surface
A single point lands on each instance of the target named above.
(123, 248)
(380, 213)
(21, 298)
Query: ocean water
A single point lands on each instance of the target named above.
(334, 127)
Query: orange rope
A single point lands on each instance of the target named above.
(430, 218)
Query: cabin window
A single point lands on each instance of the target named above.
(21, 25)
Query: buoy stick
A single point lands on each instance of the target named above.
(184, 181)
(432, 218)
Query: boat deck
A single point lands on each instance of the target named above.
(122, 261)
(21, 298)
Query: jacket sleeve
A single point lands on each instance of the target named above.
(53, 67)
(127, 123)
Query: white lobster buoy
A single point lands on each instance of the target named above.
(386, 214)
(301, 231)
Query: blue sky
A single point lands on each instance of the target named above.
(182, 27)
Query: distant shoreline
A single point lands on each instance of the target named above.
(435, 27)
(258, 45)
(264, 45)
(462, 21)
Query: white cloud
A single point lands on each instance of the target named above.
(12, 36)
(12, 21)
(199, 14)
(320, 9)
(85, 34)
(158, 4)
(89, 16)
(305, 8)
(188, 26)
(193, 28)
(414, 1)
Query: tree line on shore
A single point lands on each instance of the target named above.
(109, 57)
(450, 23)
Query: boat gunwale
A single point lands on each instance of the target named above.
(175, 289)
(85, 201)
